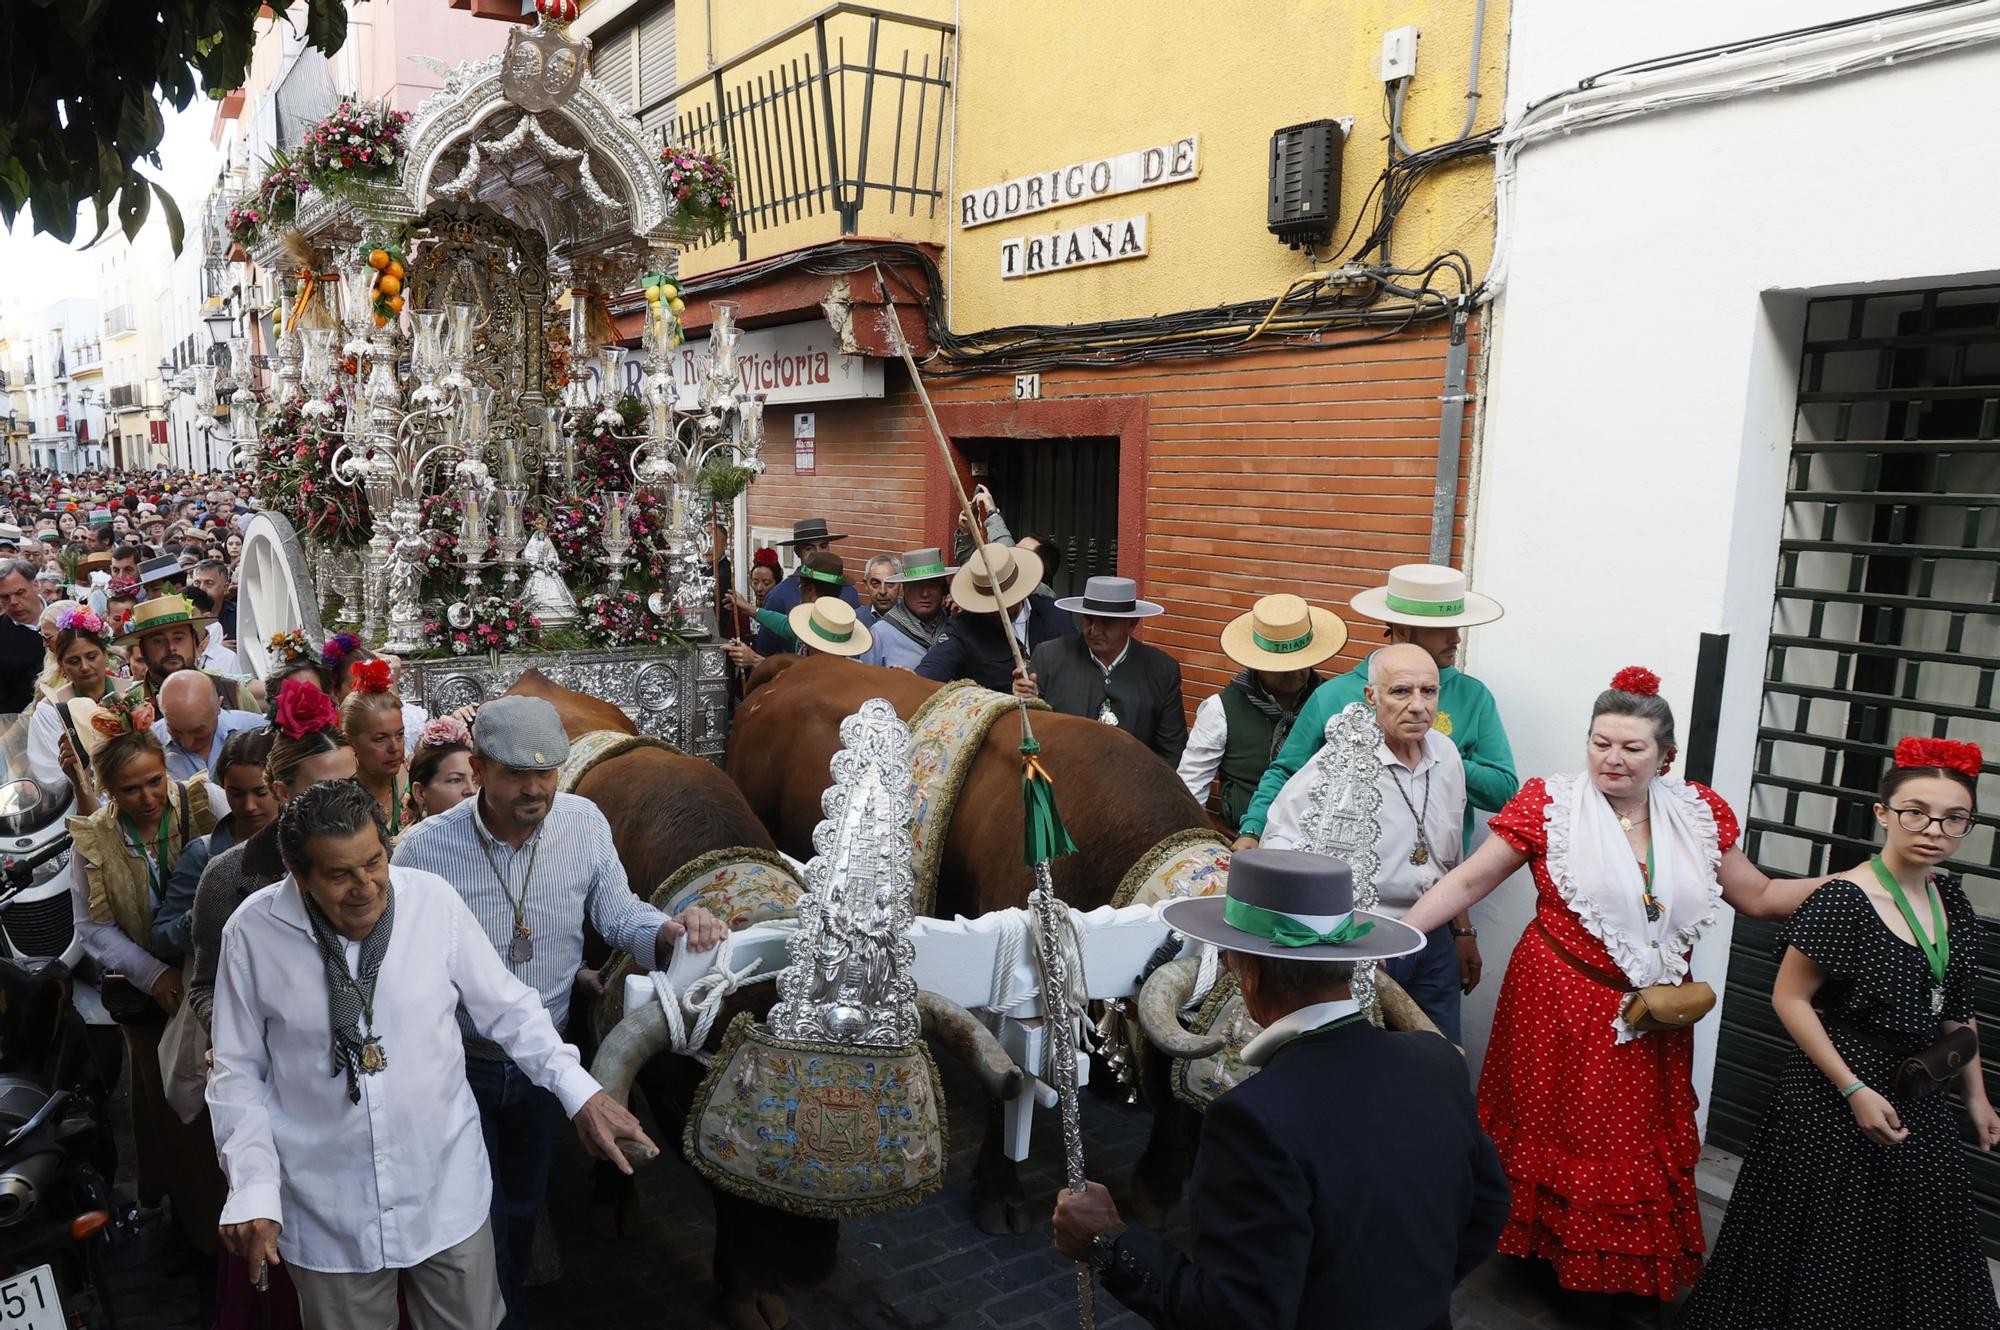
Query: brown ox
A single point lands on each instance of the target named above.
(1116, 797)
(666, 809)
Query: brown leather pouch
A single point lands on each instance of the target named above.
(1653, 1009)
(1924, 1074)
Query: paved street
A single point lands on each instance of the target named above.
(923, 1269)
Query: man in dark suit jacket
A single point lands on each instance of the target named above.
(1106, 675)
(809, 536)
(22, 651)
(974, 644)
(1348, 1182)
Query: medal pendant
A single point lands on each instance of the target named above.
(1937, 1000)
(522, 949)
(1420, 855)
(373, 1059)
(1106, 715)
(1653, 910)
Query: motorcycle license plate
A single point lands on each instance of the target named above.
(28, 1301)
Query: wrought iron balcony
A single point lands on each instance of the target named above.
(844, 112)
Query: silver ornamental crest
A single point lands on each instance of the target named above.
(544, 67)
(848, 980)
(1344, 797)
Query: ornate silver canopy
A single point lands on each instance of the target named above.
(849, 978)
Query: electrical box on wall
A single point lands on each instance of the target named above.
(1305, 182)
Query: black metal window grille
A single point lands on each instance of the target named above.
(1887, 613)
(803, 116)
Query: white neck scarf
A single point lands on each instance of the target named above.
(1599, 877)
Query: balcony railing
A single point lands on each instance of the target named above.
(850, 103)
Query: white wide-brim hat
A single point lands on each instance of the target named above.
(1283, 633)
(1426, 595)
(1015, 575)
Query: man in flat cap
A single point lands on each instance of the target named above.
(533, 864)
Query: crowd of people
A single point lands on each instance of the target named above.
(1585, 1101)
(341, 939)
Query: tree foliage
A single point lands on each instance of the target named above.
(81, 83)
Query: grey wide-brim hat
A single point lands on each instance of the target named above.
(1111, 598)
(1278, 901)
(520, 732)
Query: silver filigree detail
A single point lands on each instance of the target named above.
(656, 687)
(849, 981)
(1344, 798)
(687, 694)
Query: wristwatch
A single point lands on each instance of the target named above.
(1468, 931)
(1101, 1244)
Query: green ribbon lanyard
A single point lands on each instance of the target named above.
(1937, 947)
(156, 872)
(1287, 931)
(1646, 897)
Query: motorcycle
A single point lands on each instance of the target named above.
(58, 1209)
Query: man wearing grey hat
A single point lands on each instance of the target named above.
(1312, 1204)
(533, 865)
(1104, 674)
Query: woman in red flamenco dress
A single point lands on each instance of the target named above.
(1594, 1121)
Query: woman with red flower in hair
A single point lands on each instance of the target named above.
(1591, 1105)
(371, 715)
(341, 658)
(1854, 1206)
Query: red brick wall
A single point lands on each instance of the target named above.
(1291, 470)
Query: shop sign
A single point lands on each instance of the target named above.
(1142, 168)
(1078, 247)
(795, 362)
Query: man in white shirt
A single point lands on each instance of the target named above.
(193, 723)
(1421, 821)
(342, 1115)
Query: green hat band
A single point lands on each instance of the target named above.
(1287, 931)
(1285, 647)
(831, 579)
(1436, 609)
(828, 633)
(925, 570)
(162, 621)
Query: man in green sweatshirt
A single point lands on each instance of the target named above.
(1428, 605)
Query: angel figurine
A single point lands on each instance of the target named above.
(545, 594)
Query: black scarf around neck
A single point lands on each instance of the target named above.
(348, 994)
(1281, 718)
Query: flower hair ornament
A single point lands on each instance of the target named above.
(291, 647)
(81, 620)
(371, 676)
(122, 715)
(443, 732)
(338, 648)
(303, 709)
(1940, 754)
(1637, 680)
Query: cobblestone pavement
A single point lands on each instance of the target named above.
(929, 1268)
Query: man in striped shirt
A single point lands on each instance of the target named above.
(533, 865)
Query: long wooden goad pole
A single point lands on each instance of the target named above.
(1051, 915)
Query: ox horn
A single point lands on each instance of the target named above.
(971, 1042)
(1399, 1010)
(638, 1037)
(1160, 1001)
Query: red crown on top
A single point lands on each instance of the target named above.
(1949, 754)
(1637, 679)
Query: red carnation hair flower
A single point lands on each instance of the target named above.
(303, 709)
(1945, 754)
(1637, 679)
(371, 676)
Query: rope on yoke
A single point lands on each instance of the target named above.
(703, 1000)
(1204, 979)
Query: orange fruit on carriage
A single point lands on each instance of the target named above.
(378, 259)
(388, 284)
(381, 319)
(395, 270)
(396, 303)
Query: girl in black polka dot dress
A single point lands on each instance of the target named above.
(1854, 1208)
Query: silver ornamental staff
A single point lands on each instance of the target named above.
(1046, 839)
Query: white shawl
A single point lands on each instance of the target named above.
(1598, 877)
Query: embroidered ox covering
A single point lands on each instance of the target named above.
(945, 736)
(599, 746)
(816, 1129)
(1194, 862)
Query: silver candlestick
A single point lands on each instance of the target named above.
(617, 536)
(510, 534)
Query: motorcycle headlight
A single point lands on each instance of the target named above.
(18, 797)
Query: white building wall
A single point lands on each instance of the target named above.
(1644, 356)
